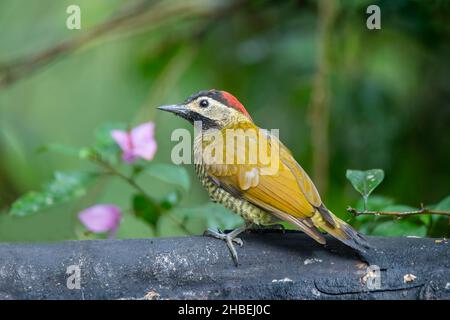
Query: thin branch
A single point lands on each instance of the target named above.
(141, 15)
(11, 72)
(110, 169)
(423, 210)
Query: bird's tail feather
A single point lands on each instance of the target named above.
(341, 231)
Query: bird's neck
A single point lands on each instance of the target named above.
(205, 138)
(242, 124)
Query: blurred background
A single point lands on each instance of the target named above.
(343, 96)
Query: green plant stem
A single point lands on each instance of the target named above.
(112, 170)
(366, 198)
(127, 179)
(356, 212)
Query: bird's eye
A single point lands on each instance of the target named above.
(204, 103)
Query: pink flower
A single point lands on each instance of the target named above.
(101, 218)
(137, 143)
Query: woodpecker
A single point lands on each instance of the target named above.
(261, 199)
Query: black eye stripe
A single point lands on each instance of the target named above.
(204, 103)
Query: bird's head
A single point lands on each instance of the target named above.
(214, 108)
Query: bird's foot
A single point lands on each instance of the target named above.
(229, 238)
(267, 228)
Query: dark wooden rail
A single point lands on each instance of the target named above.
(273, 266)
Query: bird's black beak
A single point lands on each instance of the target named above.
(178, 109)
(186, 113)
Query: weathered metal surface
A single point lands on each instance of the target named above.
(272, 266)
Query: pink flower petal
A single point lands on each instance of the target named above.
(123, 139)
(147, 151)
(143, 141)
(101, 218)
(143, 132)
(138, 143)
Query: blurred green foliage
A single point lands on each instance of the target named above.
(389, 105)
(419, 225)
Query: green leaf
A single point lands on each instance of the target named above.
(103, 133)
(87, 153)
(440, 223)
(444, 205)
(170, 200)
(169, 173)
(104, 143)
(366, 223)
(365, 181)
(133, 227)
(398, 228)
(146, 209)
(65, 186)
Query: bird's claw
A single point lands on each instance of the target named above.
(229, 238)
(238, 241)
(223, 236)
